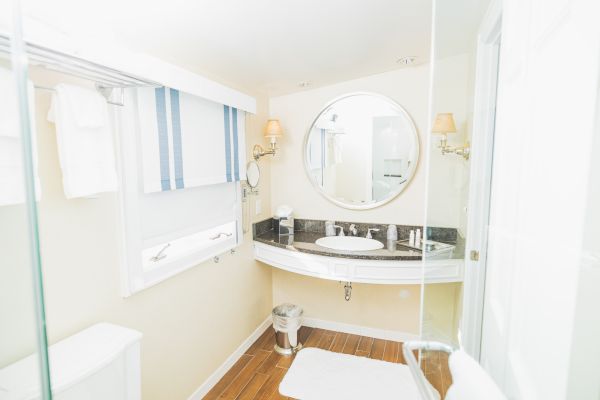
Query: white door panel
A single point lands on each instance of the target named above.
(544, 129)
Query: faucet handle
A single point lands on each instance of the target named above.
(369, 236)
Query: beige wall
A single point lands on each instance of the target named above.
(442, 304)
(393, 307)
(409, 87)
(387, 307)
(379, 306)
(449, 173)
(191, 322)
(448, 186)
(194, 320)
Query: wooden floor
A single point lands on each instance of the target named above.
(257, 374)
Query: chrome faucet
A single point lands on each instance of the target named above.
(369, 236)
(352, 230)
(341, 230)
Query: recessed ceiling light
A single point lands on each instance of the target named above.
(408, 60)
(304, 84)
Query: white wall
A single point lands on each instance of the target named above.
(584, 364)
(191, 322)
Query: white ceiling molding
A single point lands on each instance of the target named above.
(144, 66)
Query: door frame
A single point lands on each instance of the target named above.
(482, 145)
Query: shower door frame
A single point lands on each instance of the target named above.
(19, 64)
(482, 148)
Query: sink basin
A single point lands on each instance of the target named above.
(349, 243)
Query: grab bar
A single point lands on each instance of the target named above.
(413, 364)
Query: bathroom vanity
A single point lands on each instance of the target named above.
(392, 264)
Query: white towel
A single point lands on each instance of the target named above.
(318, 374)
(12, 186)
(469, 380)
(85, 142)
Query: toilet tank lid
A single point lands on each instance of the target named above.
(71, 360)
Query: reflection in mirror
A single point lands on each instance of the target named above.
(252, 174)
(361, 151)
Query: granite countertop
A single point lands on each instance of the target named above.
(304, 242)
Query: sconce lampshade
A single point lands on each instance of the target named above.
(273, 129)
(444, 123)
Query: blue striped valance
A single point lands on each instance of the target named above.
(188, 141)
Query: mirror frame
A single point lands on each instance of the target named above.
(412, 170)
(248, 169)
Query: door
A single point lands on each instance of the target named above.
(537, 208)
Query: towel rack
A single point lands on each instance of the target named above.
(106, 78)
(413, 364)
(104, 91)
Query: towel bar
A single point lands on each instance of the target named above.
(413, 365)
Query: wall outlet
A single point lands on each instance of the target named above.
(257, 206)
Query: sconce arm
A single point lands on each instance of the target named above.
(258, 151)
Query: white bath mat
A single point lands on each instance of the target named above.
(318, 374)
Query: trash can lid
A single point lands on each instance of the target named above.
(288, 310)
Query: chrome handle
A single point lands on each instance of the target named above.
(218, 235)
(369, 236)
(160, 255)
(413, 364)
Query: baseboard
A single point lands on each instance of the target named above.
(222, 370)
(360, 330)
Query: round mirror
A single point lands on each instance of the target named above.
(252, 174)
(361, 151)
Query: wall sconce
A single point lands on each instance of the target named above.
(272, 131)
(444, 124)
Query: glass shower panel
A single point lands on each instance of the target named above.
(23, 350)
(455, 40)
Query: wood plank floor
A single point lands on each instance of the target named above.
(257, 374)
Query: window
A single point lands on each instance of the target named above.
(180, 162)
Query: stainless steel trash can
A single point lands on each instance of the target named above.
(287, 320)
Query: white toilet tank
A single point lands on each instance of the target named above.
(99, 363)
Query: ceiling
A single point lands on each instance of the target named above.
(258, 46)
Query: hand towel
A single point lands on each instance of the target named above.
(85, 142)
(12, 185)
(469, 380)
